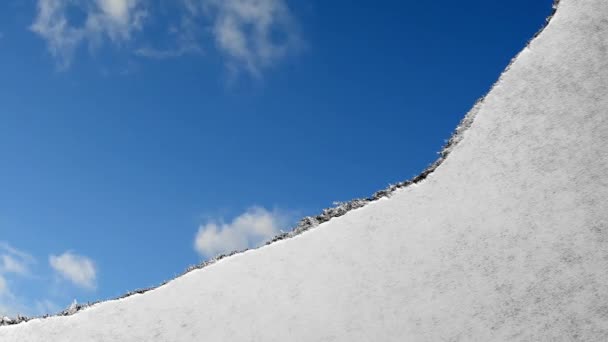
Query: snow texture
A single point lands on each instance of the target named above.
(505, 239)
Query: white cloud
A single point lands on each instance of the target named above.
(6, 247)
(8, 304)
(253, 34)
(13, 260)
(16, 263)
(116, 9)
(251, 228)
(112, 19)
(10, 264)
(78, 269)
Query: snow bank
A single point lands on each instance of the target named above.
(507, 238)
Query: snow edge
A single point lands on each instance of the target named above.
(340, 209)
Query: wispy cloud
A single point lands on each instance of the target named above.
(15, 266)
(9, 305)
(13, 260)
(115, 20)
(6, 247)
(10, 264)
(249, 229)
(78, 269)
(13, 263)
(252, 35)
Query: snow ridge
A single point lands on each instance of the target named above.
(341, 208)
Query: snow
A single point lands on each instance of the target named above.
(507, 239)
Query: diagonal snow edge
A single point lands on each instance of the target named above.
(341, 208)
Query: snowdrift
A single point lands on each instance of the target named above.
(507, 238)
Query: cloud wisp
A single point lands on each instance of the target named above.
(10, 264)
(78, 269)
(249, 229)
(14, 263)
(13, 260)
(114, 20)
(251, 35)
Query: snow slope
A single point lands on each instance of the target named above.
(506, 240)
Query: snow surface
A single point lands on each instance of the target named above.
(506, 240)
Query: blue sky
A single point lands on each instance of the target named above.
(138, 137)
